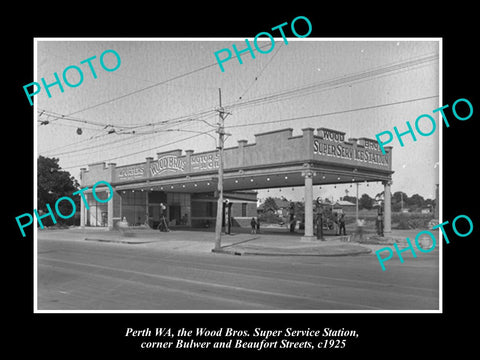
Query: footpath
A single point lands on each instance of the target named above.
(264, 243)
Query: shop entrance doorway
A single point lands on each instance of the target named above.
(175, 214)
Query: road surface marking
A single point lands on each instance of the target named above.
(203, 283)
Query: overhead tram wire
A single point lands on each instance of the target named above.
(156, 131)
(260, 73)
(245, 103)
(142, 151)
(165, 123)
(70, 60)
(190, 117)
(310, 89)
(335, 82)
(129, 136)
(274, 96)
(95, 137)
(141, 90)
(119, 142)
(57, 116)
(297, 90)
(277, 121)
(68, 117)
(75, 126)
(151, 86)
(334, 112)
(50, 122)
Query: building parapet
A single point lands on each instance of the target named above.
(270, 148)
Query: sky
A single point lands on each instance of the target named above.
(182, 80)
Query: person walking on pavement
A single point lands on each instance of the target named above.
(253, 224)
(359, 231)
(291, 213)
(335, 223)
(163, 226)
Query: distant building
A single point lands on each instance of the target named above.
(344, 206)
(282, 205)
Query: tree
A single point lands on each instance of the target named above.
(430, 203)
(270, 205)
(398, 195)
(365, 202)
(299, 208)
(351, 199)
(416, 202)
(52, 184)
(397, 198)
(379, 195)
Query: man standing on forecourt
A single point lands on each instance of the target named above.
(319, 222)
(380, 220)
(341, 222)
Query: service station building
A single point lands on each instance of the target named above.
(186, 183)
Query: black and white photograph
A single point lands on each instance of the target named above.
(282, 190)
(274, 159)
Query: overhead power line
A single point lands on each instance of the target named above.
(154, 85)
(117, 142)
(53, 116)
(335, 82)
(282, 95)
(143, 151)
(129, 129)
(260, 73)
(129, 139)
(333, 112)
(278, 96)
(270, 122)
(142, 89)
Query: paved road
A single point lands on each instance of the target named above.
(86, 275)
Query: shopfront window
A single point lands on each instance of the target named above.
(244, 209)
(178, 208)
(97, 214)
(134, 206)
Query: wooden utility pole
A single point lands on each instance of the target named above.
(221, 133)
